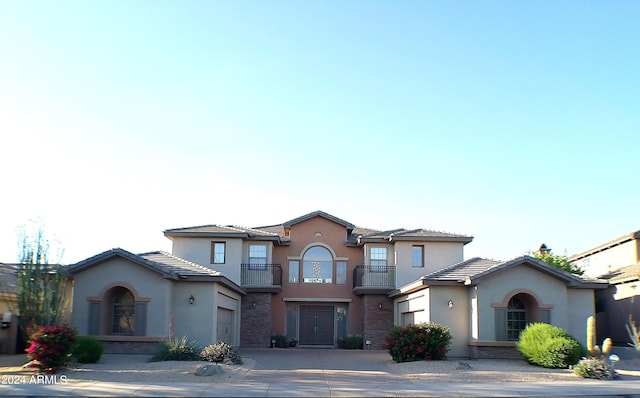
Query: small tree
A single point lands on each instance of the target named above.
(40, 286)
(559, 261)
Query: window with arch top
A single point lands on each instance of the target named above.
(516, 318)
(317, 265)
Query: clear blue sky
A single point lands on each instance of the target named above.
(515, 122)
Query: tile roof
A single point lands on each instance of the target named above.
(475, 269)
(319, 213)
(420, 234)
(220, 230)
(8, 277)
(461, 271)
(355, 235)
(178, 266)
(624, 274)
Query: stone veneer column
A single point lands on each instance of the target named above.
(377, 321)
(255, 325)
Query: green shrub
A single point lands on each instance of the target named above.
(88, 349)
(352, 342)
(415, 342)
(593, 368)
(177, 349)
(219, 351)
(549, 346)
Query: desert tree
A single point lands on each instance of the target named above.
(41, 284)
(559, 261)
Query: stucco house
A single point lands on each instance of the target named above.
(618, 262)
(319, 279)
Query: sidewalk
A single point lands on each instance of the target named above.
(319, 373)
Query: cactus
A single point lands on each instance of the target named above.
(634, 334)
(606, 347)
(594, 350)
(591, 331)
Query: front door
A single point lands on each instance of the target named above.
(316, 325)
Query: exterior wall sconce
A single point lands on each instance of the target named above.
(450, 303)
(380, 307)
(192, 299)
(253, 304)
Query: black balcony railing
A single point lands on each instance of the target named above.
(261, 276)
(374, 277)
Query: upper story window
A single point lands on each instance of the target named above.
(317, 265)
(378, 259)
(218, 250)
(417, 256)
(257, 256)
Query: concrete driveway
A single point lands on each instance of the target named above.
(332, 367)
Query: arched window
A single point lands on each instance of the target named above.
(317, 265)
(516, 318)
(123, 312)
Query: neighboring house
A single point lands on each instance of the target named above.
(618, 262)
(132, 301)
(8, 308)
(318, 279)
(611, 256)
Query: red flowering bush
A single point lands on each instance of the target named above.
(51, 348)
(415, 342)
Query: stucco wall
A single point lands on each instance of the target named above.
(581, 302)
(199, 320)
(91, 282)
(416, 303)
(456, 318)
(326, 233)
(198, 250)
(501, 286)
(437, 255)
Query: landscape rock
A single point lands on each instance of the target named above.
(207, 370)
(463, 366)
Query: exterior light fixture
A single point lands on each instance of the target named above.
(192, 299)
(380, 307)
(253, 304)
(450, 304)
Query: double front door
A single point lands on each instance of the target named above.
(316, 325)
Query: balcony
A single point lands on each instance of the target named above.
(374, 279)
(261, 278)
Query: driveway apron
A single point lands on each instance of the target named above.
(326, 366)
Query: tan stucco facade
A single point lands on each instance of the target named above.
(165, 301)
(471, 310)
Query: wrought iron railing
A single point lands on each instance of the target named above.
(374, 276)
(261, 275)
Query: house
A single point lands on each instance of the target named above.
(610, 256)
(8, 308)
(618, 262)
(318, 279)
